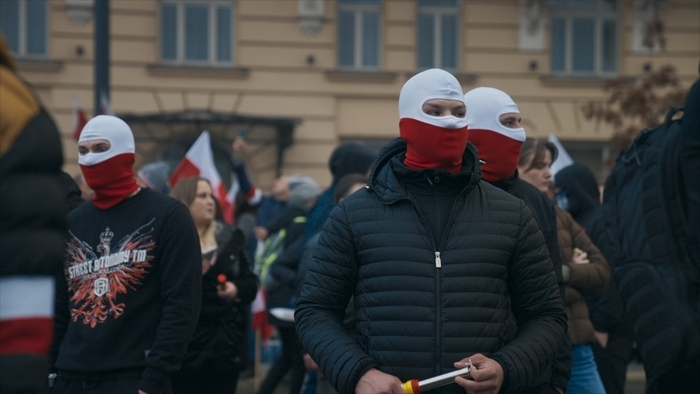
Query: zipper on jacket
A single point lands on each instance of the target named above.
(438, 261)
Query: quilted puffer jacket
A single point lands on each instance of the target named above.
(421, 306)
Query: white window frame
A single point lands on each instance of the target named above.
(22, 34)
(357, 10)
(212, 5)
(437, 13)
(599, 16)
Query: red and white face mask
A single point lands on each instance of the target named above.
(498, 145)
(109, 174)
(432, 141)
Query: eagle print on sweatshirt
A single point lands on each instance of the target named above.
(95, 278)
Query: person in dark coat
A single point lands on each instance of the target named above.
(436, 261)
(579, 189)
(495, 130)
(34, 200)
(302, 194)
(216, 353)
(347, 158)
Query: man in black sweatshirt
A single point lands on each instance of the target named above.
(130, 300)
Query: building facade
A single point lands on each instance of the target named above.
(297, 77)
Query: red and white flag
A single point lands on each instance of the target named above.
(26, 314)
(259, 311)
(79, 118)
(105, 107)
(199, 161)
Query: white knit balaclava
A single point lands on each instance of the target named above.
(498, 145)
(109, 174)
(432, 141)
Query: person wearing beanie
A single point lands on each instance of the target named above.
(282, 273)
(495, 130)
(33, 205)
(154, 176)
(130, 298)
(436, 260)
(347, 158)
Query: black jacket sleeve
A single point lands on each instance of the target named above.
(329, 284)
(537, 307)
(180, 273)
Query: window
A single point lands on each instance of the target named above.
(584, 37)
(438, 43)
(358, 34)
(198, 32)
(25, 40)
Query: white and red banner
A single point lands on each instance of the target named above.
(199, 161)
(26, 314)
(79, 118)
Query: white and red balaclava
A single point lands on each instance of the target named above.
(498, 145)
(432, 141)
(109, 174)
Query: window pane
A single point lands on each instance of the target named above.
(426, 42)
(449, 42)
(609, 46)
(346, 39)
(437, 3)
(168, 32)
(583, 45)
(583, 5)
(558, 44)
(9, 23)
(196, 33)
(609, 5)
(559, 4)
(36, 27)
(370, 39)
(223, 34)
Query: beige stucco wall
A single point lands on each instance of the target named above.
(280, 83)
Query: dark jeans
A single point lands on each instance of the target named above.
(612, 362)
(292, 357)
(205, 381)
(114, 386)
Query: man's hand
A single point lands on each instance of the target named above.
(377, 382)
(142, 392)
(240, 147)
(487, 375)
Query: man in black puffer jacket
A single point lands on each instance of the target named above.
(436, 261)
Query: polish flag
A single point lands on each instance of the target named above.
(199, 161)
(79, 118)
(259, 311)
(105, 107)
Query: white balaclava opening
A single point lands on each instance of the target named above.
(109, 174)
(432, 141)
(498, 145)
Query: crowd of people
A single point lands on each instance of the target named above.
(453, 246)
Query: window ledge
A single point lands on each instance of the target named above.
(161, 70)
(361, 76)
(41, 65)
(466, 79)
(580, 81)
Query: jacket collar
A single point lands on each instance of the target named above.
(388, 172)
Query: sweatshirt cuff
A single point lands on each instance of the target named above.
(153, 380)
